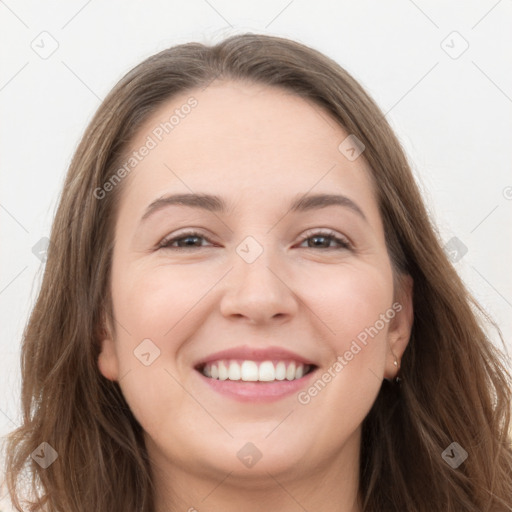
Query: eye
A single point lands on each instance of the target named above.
(189, 241)
(192, 240)
(323, 239)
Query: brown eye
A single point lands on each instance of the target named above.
(190, 240)
(323, 240)
(193, 240)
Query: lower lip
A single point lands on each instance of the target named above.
(257, 391)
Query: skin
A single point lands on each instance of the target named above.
(257, 147)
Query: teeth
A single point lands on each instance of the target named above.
(267, 371)
(290, 371)
(280, 371)
(252, 371)
(249, 371)
(234, 371)
(223, 371)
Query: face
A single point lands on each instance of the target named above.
(253, 337)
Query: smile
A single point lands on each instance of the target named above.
(255, 374)
(255, 371)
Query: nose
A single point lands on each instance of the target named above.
(258, 292)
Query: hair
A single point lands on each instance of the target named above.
(455, 382)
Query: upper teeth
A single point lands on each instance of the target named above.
(255, 371)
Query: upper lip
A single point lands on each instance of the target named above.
(254, 354)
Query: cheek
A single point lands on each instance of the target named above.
(154, 307)
(159, 309)
(349, 299)
(153, 304)
(353, 303)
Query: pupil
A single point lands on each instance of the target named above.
(188, 238)
(317, 238)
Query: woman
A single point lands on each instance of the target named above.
(246, 304)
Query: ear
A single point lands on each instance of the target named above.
(400, 327)
(107, 359)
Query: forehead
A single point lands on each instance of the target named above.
(241, 138)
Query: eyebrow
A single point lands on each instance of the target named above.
(215, 203)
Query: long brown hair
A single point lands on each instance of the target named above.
(455, 383)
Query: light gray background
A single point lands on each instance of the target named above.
(450, 108)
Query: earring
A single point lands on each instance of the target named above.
(397, 378)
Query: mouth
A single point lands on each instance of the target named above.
(236, 370)
(247, 374)
(256, 381)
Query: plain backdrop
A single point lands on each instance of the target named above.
(439, 70)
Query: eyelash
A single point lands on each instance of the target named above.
(166, 243)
